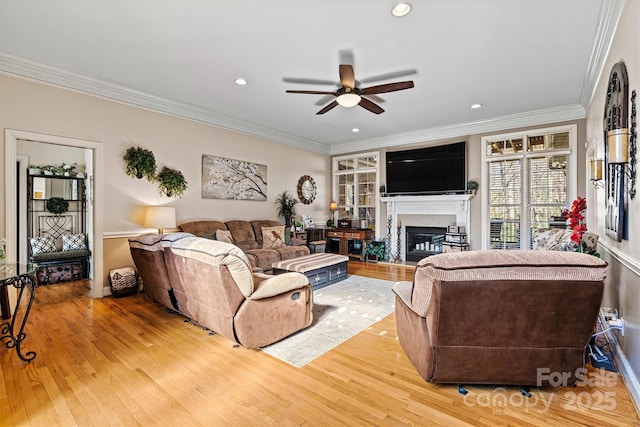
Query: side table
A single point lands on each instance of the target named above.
(21, 277)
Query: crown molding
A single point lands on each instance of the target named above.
(610, 13)
(512, 121)
(21, 67)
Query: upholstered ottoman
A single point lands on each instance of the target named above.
(321, 269)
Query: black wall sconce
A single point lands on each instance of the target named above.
(622, 148)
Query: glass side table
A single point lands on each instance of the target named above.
(21, 277)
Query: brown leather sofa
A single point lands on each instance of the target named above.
(247, 235)
(223, 294)
(499, 317)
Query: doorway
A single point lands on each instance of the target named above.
(15, 143)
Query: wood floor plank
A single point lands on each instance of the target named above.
(127, 362)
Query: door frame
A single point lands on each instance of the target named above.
(95, 179)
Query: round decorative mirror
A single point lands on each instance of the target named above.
(307, 189)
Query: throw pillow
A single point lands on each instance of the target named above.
(273, 237)
(224, 236)
(210, 236)
(73, 242)
(41, 245)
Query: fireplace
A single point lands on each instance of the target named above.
(423, 211)
(423, 242)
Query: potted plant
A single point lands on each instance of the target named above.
(68, 169)
(140, 162)
(374, 251)
(57, 205)
(34, 169)
(171, 182)
(472, 186)
(286, 207)
(58, 170)
(48, 169)
(298, 225)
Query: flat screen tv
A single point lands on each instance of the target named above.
(432, 170)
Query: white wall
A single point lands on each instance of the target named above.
(48, 154)
(622, 288)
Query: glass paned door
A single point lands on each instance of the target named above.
(530, 179)
(505, 203)
(548, 189)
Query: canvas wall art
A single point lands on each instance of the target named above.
(224, 178)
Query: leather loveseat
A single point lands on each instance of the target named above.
(248, 236)
(499, 317)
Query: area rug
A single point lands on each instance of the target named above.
(340, 311)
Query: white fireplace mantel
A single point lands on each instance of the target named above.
(448, 204)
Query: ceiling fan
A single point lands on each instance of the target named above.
(349, 95)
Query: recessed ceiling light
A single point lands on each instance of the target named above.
(355, 130)
(476, 106)
(240, 81)
(401, 9)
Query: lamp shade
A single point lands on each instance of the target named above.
(160, 217)
(333, 206)
(618, 140)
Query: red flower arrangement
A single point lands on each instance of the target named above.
(576, 217)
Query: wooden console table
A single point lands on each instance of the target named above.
(20, 276)
(347, 238)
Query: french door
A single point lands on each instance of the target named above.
(530, 179)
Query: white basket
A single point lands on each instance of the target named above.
(123, 281)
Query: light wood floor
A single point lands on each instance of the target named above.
(126, 362)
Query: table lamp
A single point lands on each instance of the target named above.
(160, 217)
(333, 206)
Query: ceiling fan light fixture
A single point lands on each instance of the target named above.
(401, 9)
(348, 99)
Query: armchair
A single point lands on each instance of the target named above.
(497, 317)
(223, 294)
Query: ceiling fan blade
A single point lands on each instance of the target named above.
(313, 92)
(347, 78)
(308, 81)
(368, 105)
(331, 106)
(390, 76)
(389, 87)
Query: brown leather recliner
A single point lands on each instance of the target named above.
(499, 317)
(223, 294)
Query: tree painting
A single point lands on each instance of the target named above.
(224, 178)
